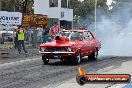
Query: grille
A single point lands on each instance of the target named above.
(56, 49)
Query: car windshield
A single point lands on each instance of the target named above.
(66, 34)
(73, 35)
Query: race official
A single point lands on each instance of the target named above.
(21, 40)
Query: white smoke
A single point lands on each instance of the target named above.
(116, 36)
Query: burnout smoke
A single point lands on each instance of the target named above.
(116, 33)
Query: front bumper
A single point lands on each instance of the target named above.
(57, 53)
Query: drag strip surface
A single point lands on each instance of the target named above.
(33, 74)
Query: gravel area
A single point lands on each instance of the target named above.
(12, 55)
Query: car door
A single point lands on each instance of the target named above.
(92, 42)
(80, 42)
(76, 37)
(86, 43)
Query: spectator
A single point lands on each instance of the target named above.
(46, 37)
(61, 29)
(15, 36)
(54, 30)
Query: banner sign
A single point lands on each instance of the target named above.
(10, 19)
(34, 21)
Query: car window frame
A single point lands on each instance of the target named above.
(88, 38)
(91, 35)
(85, 37)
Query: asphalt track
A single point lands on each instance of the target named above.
(31, 73)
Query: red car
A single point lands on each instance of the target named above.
(71, 45)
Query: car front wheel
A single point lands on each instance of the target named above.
(77, 58)
(45, 60)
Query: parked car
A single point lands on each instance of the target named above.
(1, 39)
(71, 45)
(7, 37)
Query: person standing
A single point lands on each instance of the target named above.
(54, 30)
(15, 36)
(21, 39)
(61, 29)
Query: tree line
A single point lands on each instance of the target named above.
(82, 9)
(24, 6)
(87, 7)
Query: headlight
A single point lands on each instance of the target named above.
(69, 49)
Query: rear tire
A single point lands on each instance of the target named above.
(77, 58)
(45, 60)
(93, 55)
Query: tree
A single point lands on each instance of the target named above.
(75, 4)
(24, 6)
(86, 7)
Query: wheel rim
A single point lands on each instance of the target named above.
(47, 60)
(78, 58)
(96, 54)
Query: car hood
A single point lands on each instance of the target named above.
(54, 43)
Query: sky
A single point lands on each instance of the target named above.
(81, 0)
(109, 2)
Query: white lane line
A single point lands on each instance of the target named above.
(129, 85)
(117, 86)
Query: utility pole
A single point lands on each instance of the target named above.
(24, 5)
(0, 5)
(14, 6)
(95, 17)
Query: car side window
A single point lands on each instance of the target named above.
(85, 36)
(90, 36)
(76, 36)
